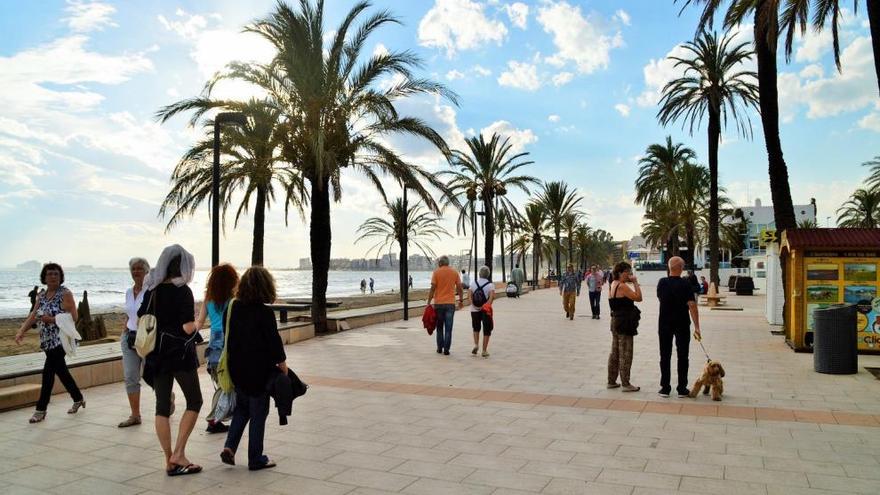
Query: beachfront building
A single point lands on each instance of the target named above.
(761, 223)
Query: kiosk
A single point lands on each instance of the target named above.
(832, 266)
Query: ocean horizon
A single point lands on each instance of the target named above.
(106, 286)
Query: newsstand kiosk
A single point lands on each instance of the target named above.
(832, 266)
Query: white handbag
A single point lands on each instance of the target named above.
(145, 339)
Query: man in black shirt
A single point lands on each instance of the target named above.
(677, 309)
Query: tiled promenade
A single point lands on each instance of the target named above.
(386, 414)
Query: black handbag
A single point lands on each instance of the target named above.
(626, 322)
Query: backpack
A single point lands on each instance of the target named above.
(479, 297)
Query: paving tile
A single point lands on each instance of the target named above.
(852, 485)
(556, 456)
(802, 466)
(94, 486)
(765, 476)
(117, 471)
(295, 485)
(726, 459)
(601, 461)
(421, 454)
(506, 479)
(586, 447)
(721, 487)
(685, 469)
(161, 482)
(635, 478)
(365, 461)
(437, 470)
(309, 469)
(40, 477)
(470, 447)
(374, 479)
(488, 462)
(426, 486)
(559, 470)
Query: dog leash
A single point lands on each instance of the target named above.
(700, 341)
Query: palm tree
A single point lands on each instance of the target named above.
(251, 167)
(336, 114)
(558, 200)
(661, 228)
(808, 223)
(713, 84)
(873, 180)
(422, 227)
(765, 18)
(797, 12)
(570, 223)
(583, 242)
(507, 220)
(657, 170)
(534, 226)
(861, 211)
(484, 174)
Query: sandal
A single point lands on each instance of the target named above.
(76, 405)
(131, 421)
(228, 456)
(37, 417)
(178, 470)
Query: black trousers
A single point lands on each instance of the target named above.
(595, 298)
(55, 365)
(188, 380)
(682, 336)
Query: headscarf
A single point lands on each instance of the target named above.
(159, 272)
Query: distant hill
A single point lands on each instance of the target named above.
(29, 265)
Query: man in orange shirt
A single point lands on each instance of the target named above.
(445, 284)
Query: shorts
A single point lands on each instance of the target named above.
(481, 319)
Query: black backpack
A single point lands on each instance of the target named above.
(479, 297)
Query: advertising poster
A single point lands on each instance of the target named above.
(849, 278)
(822, 271)
(860, 272)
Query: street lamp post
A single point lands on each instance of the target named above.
(404, 256)
(234, 118)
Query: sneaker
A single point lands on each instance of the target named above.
(439, 350)
(663, 393)
(631, 388)
(613, 385)
(485, 354)
(446, 352)
(474, 351)
(217, 427)
(684, 393)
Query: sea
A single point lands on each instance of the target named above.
(106, 287)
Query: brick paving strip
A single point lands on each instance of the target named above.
(640, 406)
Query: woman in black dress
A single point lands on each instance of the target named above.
(170, 299)
(254, 352)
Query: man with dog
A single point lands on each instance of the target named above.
(677, 308)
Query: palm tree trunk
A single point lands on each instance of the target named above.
(259, 227)
(512, 247)
(714, 137)
(503, 265)
(874, 21)
(689, 235)
(558, 251)
(320, 239)
(489, 234)
(570, 251)
(535, 248)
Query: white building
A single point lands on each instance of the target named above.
(761, 219)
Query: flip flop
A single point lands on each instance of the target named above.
(178, 470)
(258, 467)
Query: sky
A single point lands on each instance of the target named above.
(84, 165)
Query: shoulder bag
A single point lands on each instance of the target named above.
(224, 379)
(145, 339)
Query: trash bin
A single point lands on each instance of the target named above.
(835, 349)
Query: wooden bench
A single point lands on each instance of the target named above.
(712, 297)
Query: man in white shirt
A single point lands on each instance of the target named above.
(465, 279)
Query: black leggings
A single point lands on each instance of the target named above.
(188, 381)
(55, 365)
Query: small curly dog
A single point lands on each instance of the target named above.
(712, 374)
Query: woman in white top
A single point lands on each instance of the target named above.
(131, 362)
(482, 293)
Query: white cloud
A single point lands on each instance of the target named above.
(657, 73)
(455, 25)
(380, 50)
(518, 13)
(481, 71)
(562, 78)
(622, 109)
(553, 118)
(519, 138)
(520, 75)
(578, 39)
(454, 74)
(812, 71)
(89, 16)
(871, 122)
(623, 17)
(813, 46)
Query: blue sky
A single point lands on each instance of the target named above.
(84, 166)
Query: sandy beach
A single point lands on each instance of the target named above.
(115, 321)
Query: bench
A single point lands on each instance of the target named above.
(16, 396)
(297, 305)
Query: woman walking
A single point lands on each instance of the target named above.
(624, 325)
(131, 361)
(254, 352)
(51, 302)
(221, 285)
(170, 299)
(482, 292)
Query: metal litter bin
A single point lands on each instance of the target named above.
(835, 349)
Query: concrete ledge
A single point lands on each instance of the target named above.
(19, 396)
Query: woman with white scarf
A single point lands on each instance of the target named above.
(169, 298)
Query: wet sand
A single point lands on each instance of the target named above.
(115, 322)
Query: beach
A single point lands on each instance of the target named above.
(115, 320)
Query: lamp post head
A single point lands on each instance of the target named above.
(235, 118)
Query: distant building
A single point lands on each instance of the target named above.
(760, 219)
(305, 263)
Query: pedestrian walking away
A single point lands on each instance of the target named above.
(465, 279)
(410, 282)
(363, 286)
(445, 285)
(595, 281)
(625, 318)
(32, 295)
(569, 289)
(482, 293)
(51, 303)
(372, 286)
(518, 276)
(254, 355)
(131, 361)
(221, 285)
(678, 307)
(169, 298)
